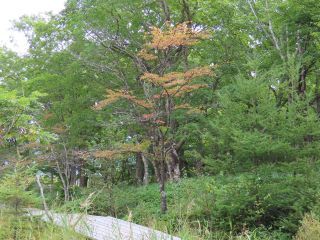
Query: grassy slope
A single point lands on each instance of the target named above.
(268, 201)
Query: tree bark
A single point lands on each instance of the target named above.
(174, 161)
(156, 168)
(65, 184)
(139, 169)
(163, 194)
(176, 165)
(84, 181)
(73, 175)
(146, 170)
(302, 85)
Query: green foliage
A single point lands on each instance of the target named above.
(254, 147)
(16, 191)
(250, 129)
(273, 197)
(267, 202)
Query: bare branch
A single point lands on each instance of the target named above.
(268, 31)
(45, 206)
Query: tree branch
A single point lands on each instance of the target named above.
(165, 9)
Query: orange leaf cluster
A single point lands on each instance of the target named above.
(177, 83)
(180, 35)
(146, 56)
(179, 91)
(124, 149)
(113, 96)
(190, 108)
(151, 117)
(198, 72)
(176, 78)
(160, 122)
(190, 88)
(139, 102)
(147, 116)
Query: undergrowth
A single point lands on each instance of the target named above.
(265, 202)
(15, 226)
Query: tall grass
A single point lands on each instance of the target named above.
(17, 226)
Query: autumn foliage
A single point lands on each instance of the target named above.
(167, 86)
(172, 36)
(115, 95)
(163, 92)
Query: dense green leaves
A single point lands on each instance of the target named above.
(257, 130)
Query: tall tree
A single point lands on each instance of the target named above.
(162, 96)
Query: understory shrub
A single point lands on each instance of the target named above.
(273, 197)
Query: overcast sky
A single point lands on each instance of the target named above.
(13, 9)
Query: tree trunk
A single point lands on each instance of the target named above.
(175, 165)
(73, 175)
(81, 176)
(146, 170)
(163, 194)
(156, 168)
(67, 173)
(174, 162)
(139, 168)
(65, 183)
(83, 181)
(164, 207)
(160, 174)
(169, 169)
(302, 84)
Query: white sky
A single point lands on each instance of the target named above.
(13, 9)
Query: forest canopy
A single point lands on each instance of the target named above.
(200, 118)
